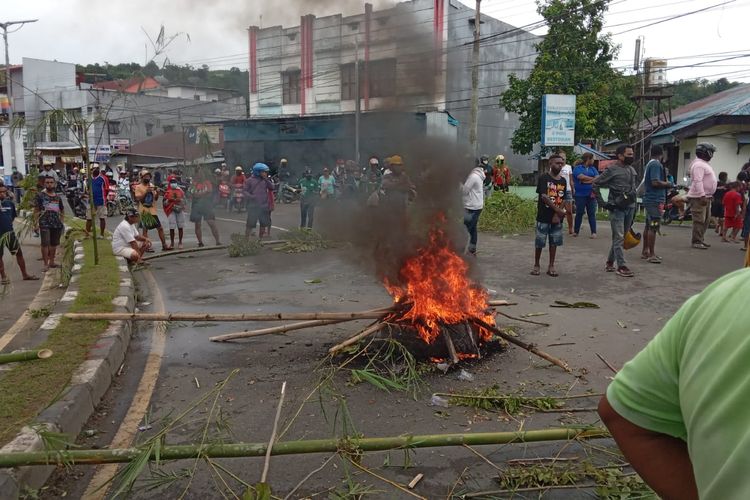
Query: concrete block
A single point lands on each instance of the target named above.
(126, 283)
(70, 412)
(95, 374)
(76, 268)
(69, 296)
(120, 301)
(51, 322)
(12, 481)
(9, 489)
(124, 269)
(101, 349)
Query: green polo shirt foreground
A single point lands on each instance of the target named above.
(692, 381)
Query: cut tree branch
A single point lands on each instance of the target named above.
(276, 329)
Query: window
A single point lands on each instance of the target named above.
(113, 127)
(149, 129)
(168, 128)
(291, 85)
(197, 97)
(382, 78)
(382, 82)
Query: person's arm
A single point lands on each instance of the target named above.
(470, 183)
(602, 180)
(655, 182)
(661, 460)
(696, 182)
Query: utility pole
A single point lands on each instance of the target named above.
(474, 119)
(8, 87)
(357, 107)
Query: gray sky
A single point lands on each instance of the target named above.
(88, 31)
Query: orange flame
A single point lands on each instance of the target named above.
(435, 284)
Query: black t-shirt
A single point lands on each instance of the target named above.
(555, 190)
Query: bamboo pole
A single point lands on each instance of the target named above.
(276, 329)
(236, 450)
(374, 328)
(12, 357)
(184, 316)
(499, 302)
(186, 250)
(529, 347)
(272, 440)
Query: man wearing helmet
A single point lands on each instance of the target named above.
(239, 176)
(702, 188)
(259, 196)
(202, 207)
(501, 174)
(310, 192)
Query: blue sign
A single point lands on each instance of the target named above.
(558, 120)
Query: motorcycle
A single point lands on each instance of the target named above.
(76, 201)
(113, 207)
(672, 211)
(238, 197)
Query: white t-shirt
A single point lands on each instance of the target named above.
(567, 173)
(125, 232)
(473, 192)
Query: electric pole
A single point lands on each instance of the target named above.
(357, 106)
(8, 87)
(475, 82)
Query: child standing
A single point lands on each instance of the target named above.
(732, 212)
(174, 207)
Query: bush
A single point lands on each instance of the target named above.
(240, 246)
(507, 213)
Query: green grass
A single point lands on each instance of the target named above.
(29, 387)
(507, 213)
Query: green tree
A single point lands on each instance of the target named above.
(573, 58)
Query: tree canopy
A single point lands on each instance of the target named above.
(573, 58)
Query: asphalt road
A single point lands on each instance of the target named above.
(631, 312)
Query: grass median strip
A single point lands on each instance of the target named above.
(28, 388)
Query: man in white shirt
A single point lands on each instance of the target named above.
(567, 174)
(127, 241)
(473, 201)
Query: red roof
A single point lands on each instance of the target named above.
(130, 85)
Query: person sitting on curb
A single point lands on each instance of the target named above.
(8, 237)
(127, 241)
(678, 410)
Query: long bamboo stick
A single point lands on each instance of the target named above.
(529, 347)
(235, 450)
(12, 357)
(185, 316)
(374, 328)
(276, 329)
(170, 253)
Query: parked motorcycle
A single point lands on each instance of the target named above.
(289, 193)
(672, 211)
(238, 198)
(76, 200)
(113, 206)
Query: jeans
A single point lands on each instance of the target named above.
(620, 220)
(589, 204)
(307, 213)
(701, 214)
(471, 219)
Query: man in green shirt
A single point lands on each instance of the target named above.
(680, 410)
(310, 192)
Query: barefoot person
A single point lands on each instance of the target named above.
(203, 207)
(49, 214)
(550, 213)
(656, 185)
(174, 208)
(8, 237)
(146, 195)
(127, 242)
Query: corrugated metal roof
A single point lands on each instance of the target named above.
(732, 102)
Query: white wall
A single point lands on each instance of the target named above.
(726, 159)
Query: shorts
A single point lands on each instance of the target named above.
(545, 231)
(654, 212)
(733, 222)
(717, 210)
(176, 220)
(9, 240)
(153, 221)
(258, 215)
(101, 211)
(202, 210)
(50, 236)
(568, 196)
(127, 253)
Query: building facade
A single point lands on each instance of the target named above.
(413, 57)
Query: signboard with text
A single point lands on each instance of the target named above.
(100, 154)
(121, 145)
(558, 120)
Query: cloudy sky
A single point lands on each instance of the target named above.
(710, 44)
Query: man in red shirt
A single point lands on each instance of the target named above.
(239, 176)
(732, 212)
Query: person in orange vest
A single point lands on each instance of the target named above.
(501, 174)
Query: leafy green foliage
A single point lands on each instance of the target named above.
(507, 213)
(303, 240)
(574, 58)
(490, 399)
(239, 246)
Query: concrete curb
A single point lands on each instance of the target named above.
(89, 383)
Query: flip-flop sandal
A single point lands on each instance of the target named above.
(6, 281)
(554, 274)
(535, 272)
(654, 260)
(31, 277)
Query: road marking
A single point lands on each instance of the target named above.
(22, 321)
(242, 222)
(99, 484)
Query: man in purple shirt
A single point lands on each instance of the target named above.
(259, 195)
(702, 188)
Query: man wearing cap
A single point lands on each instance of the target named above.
(146, 195)
(99, 190)
(126, 242)
(202, 207)
(259, 194)
(16, 179)
(397, 188)
(501, 174)
(48, 172)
